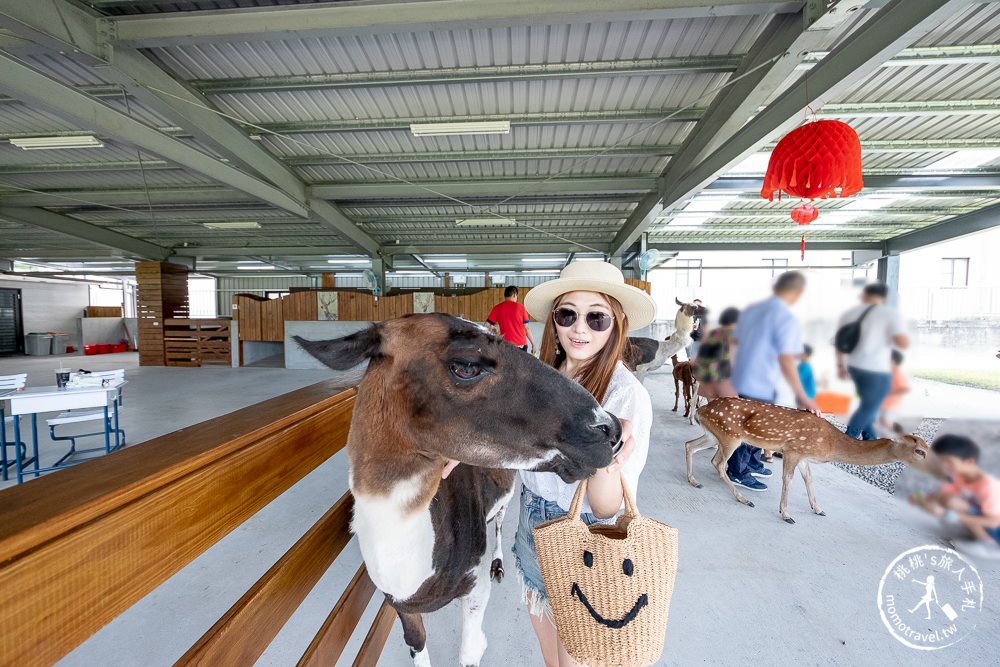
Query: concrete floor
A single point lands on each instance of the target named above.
(750, 589)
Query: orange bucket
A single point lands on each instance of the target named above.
(833, 403)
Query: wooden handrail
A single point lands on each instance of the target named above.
(79, 547)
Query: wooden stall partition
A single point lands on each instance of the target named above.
(644, 285)
(162, 293)
(196, 341)
(104, 311)
(361, 306)
(299, 306)
(247, 313)
(78, 547)
(272, 320)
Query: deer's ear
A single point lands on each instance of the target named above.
(341, 354)
(898, 429)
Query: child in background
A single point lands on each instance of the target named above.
(972, 499)
(806, 376)
(900, 387)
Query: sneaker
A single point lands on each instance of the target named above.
(763, 472)
(748, 482)
(978, 549)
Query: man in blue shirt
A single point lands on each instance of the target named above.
(768, 346)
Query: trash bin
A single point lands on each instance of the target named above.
(38, 344)
(59, 343)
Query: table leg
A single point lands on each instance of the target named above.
(17, 450)
(34, 439)
(118, 442)
(107, 431)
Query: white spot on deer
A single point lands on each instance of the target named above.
(802, 437)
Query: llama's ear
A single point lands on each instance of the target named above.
(341, 354)
(678, 301)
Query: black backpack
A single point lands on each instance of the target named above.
(849, 335)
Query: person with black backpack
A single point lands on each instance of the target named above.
(865, 338)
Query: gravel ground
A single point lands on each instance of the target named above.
(885, 476)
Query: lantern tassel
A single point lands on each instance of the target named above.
(803, 247)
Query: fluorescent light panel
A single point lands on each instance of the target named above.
(348, 261)
(262, 267)
(232, 225)
(486, 222)
(543, 260)
(432, 260)
(55, 143)
(452, 129)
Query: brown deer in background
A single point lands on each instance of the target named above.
(684, 379)
(800, 436)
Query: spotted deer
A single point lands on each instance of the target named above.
(801, 437)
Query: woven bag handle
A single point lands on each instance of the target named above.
(576, 506)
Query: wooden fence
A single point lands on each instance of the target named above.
(80, 546)
(263, 319)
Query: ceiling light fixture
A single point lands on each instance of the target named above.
(431, 260)
(451, 129)
(262, 267)
(232, 225)
(55, 143)
(486, 222)
(542, 260)
(348, 261)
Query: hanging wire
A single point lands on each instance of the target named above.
(142, 172)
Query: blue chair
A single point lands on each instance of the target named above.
(7, 383)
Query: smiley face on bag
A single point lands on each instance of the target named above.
(612, 568)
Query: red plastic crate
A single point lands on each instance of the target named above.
(90, 349)
(103, 348)
(120, 347)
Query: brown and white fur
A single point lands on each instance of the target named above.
(439, 389)
(800, 436)
(650, 355)
(684, 381)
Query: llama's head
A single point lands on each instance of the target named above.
(686, 309)
(450, 389)
(912, 450)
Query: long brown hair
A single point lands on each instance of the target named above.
(596, 374)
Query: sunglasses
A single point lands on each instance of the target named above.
(597, 321)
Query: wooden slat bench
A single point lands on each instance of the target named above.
(79, 547)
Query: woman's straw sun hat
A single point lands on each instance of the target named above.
(600, 277)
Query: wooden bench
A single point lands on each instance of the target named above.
(79, 547)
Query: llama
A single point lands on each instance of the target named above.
(648, 355)
(435, 438)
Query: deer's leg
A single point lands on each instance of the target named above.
(415, 637)
(677, 392)
(703, 441)
(726, 448)
(788, 465)
(473, 611)
(808, 479)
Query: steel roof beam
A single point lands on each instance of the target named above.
(327, 19)
(489, 248)
(897, 25)
(485, 188)
(69, 26)
(38, 89)
(205, 194)
(751, 244)
(969, 223)
(479, 156)
(38, 217)
(915, 182)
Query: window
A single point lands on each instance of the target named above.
(688, 273)
(275, 294)
(778, 266)
(955, 272)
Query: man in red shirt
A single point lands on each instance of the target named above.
(509, 319)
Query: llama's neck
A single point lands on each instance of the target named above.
(863, 452)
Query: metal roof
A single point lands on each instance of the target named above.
(307, 133)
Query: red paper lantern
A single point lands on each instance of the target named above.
(814, 160)
(804, 214)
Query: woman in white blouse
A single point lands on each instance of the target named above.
(588, 312)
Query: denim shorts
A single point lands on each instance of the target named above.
(536, 510)
(975, 510)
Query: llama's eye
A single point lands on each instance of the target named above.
(464, 370)
(588, 559)
(627, 567)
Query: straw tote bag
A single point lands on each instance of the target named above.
(609, 585)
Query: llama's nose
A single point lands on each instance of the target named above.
(609, 427)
